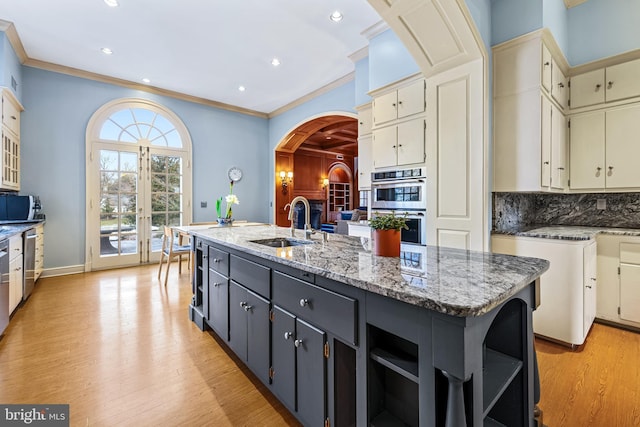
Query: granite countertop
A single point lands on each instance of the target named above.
(451, 281)
(565, 232)
(10, 228)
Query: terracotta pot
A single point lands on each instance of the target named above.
(386, 243)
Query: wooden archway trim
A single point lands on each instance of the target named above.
(293, 140)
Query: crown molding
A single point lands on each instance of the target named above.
(329, 87)
(48, 66)
(359, 54)
(377, 28)
(12, 35)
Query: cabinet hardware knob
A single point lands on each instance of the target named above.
(545, 163)
(247, 307)
(610, 168)
(216, 284)
(588, 286)
(560, 85)
(14, 117)
(361, 123)
(561, 169)
(288, 335)
(297, 343)
(394, 104)
(217, 260)
(204, 257)
(598, 86)
(593, 278)
(546, 64)
(304, 302)
(598, 168)
(610, 85)
(399, 102)
(393, 146)
(242, 304)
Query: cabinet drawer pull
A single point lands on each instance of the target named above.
(561, 169)
(598, 168)
(242, 304)
(14, 117)
(297, 343)
(561, 85)
(546, 64)
(247, 307)
(216, 284)
(546, 163)
(610, 85)
(288, 335)
(598, 87)
(589, 286)
(216, 260)
(304, 302)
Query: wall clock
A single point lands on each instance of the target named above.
(235, 174)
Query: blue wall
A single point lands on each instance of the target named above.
(389, 60)
(57, 111)
(10, 66)
(362, 81)
(555, 18)
(601, 28)
(512, 18)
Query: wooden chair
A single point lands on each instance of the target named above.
(171, 251)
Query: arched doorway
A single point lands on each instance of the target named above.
(138, 179)
(308, 152)
(340, 195)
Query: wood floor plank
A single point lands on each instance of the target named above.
(119, 348)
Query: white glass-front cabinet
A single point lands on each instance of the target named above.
(10, 139)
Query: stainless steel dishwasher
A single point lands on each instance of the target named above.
(29, 253)
(4, 285)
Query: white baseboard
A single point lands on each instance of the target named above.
(62, 271)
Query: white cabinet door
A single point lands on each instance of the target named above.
(622, 81)
(411, 99)
(15, 282)
(545, 141)
(587, 89)
(546, 69)
(623, 147)
(559, 85)
(365, 121)
(365, 162)
(590, 286)
(411, 142)
(385, 108)
(630, 282)
(558, 149)
(560, 315)
(587, 148)
(384, 146)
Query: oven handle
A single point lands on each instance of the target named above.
(382, 184)
(400, 212)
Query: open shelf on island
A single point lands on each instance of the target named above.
(398, 362)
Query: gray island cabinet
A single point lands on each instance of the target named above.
(437, 337)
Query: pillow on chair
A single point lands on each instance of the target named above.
(355, 216)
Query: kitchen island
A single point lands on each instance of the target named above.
(436, 337)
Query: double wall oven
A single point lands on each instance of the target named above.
(403, 192)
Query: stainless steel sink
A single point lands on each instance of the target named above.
(281, 242)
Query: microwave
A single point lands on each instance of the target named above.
(18, 208)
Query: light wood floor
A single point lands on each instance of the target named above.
(119, 348)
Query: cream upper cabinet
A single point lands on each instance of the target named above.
(622, 81)
(399, 103)
(587, 89)
(399, 125)
(10, 140)
(587, 151)
(613, 83)
(530, 93)
(605, 148)
(559, 85)
(365, 120)
(365, 162)
(546, 69)
(399, 145)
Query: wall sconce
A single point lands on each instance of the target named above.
(325, 183)
(283, 180)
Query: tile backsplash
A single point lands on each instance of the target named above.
(520, 209)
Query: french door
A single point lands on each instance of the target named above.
(138, 190)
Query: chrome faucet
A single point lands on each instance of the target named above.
(308, 231)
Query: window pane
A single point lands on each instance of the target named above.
(163, 124)
(108, 160)
(158, 163)
(122, 117)
(159, 182)
(142, 115)
(173, 165)
(109, 181)
(174, 202)
(173, 139)
(109, 204)
(129, 161)
(158, 221)
(174, 219)
(110, 131)
(128, 203)
(173, 185)
(159, 202)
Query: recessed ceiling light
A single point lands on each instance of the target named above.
(336, 16)
(106, 51)
(146, 80)
(241, 88)
(112, 3)
(275, 62)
